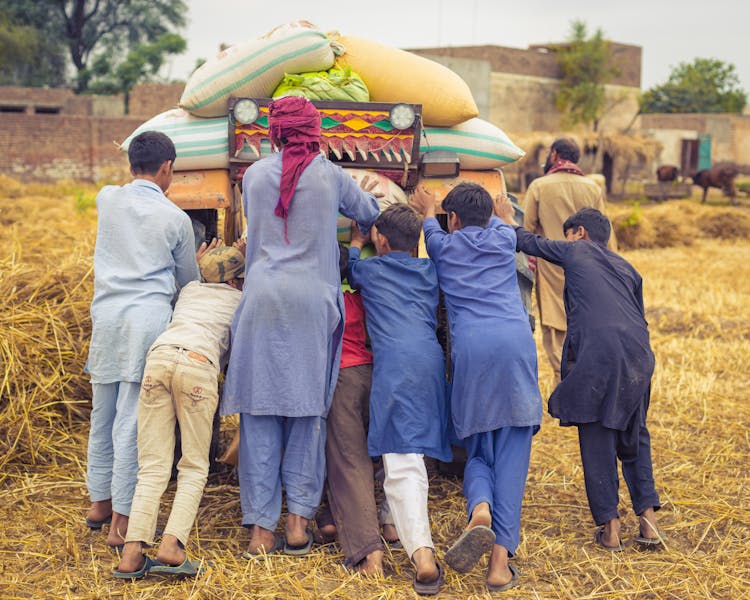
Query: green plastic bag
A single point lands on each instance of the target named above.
(334, 84)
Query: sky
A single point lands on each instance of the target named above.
(668, 31)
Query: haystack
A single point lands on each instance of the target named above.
(698, 305)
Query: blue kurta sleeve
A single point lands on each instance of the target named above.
(186, 267)
(355, 203)
(434, 237)
(352, 275)
(536, 245)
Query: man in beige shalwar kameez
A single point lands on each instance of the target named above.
(548, 202)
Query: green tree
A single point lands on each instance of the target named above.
(707, 85)
(586, 64)
(27, 57)
(97, 31)
(142, 63)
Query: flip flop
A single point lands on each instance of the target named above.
(299, 550)
(148, 564)
(471, 545)
(599, 534)
(429, 588)
(278, 546)
(650, 542)
(188, 568)
(91, 524)
(511, 584)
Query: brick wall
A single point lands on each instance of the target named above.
(52, 147)
(150, 99)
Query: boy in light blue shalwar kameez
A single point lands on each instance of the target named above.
(145, 250)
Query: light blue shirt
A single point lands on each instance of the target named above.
(145, 249)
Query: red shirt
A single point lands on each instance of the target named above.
(354, 352)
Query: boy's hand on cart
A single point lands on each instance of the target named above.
(203, 248)
(370, 185)
(359, 239)
(504, 209)
(423, 200)
(241, 245)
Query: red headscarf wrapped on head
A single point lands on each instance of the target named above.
(294, 122)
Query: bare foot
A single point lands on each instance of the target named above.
(372, 564)
(99, 510)
(260, 539)
(424, 561)
(327, 533)
(132, 558)
(611, 535)
(171, 551)
(647, 524)
(118, 529)
(296, 530)
(498, 572)
(481, 515)
(390, 534)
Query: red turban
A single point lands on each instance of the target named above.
(294, 122)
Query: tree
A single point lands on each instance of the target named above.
(101, 31)
(707, 85)
(586, 64)
(20, 50)
(143, 62)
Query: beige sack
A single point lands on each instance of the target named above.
(394, 75)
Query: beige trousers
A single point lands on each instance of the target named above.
(553, 339)
(406, 486)
(177, 385)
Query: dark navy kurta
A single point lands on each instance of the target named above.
(492, 348)
(408, 403)
(607, 360)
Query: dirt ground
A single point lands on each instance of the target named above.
(697, 294)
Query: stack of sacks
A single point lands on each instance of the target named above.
(298, 59)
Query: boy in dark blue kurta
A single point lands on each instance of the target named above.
(408, 405)
(495, 398)
(606, 370)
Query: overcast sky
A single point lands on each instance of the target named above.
(668, 31)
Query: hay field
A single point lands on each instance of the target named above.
(698, 302)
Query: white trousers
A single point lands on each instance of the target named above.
(406, 487)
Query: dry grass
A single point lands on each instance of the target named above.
(698, 300)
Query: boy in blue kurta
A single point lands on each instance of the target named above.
(408, 405)
(495, 398)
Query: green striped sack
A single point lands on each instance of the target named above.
(480, 145)
(255, 68)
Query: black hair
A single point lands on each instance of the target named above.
(566, 149)
(149, 150)
(471, 202)
(401, 225)
(343, 260)
(593, 221)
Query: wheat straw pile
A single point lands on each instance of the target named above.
(698, 299)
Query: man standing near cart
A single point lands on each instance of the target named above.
(286, 334)
(549, 200)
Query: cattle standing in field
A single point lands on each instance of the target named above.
(667, 173)
(722, 176)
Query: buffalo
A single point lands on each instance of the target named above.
(722, 176)
(667, 173)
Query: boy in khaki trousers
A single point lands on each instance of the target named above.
(181, 382)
